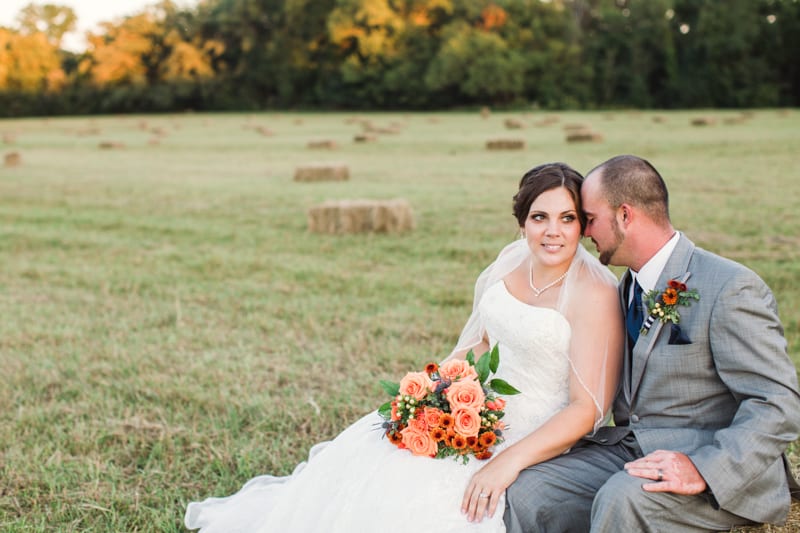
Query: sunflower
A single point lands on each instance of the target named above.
(438, 434)
(487, 439)
(446, 421)
(459, 442)
(670, 296)
(394, 437)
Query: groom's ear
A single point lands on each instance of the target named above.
(624, 213)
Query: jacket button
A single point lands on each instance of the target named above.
(634, 419)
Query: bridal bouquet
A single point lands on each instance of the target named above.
(452, 410)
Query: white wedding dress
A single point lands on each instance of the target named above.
(359, 482)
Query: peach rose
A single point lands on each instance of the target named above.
(418, 424)
(467, 421)
(457, 368)
(432, 416)
(416, 384)
(466, 394)
(419, 442)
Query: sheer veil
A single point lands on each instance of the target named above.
(584, 271)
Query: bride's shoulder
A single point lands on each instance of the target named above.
(594, 286)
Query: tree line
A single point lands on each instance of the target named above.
(406, 54)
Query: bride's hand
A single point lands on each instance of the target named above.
(487, 486)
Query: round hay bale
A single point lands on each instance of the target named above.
(703, 121)
(265, 131)
(365, 138)
(325, 144)
(514, 124)
(505, 144)
(12, 159)
(322, 172)
(9, 138)
(485, 112)
(583, 136)
(337, 217)
(659, 119)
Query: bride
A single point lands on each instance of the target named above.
(554, 312)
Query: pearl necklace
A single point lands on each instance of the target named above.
(553, 283)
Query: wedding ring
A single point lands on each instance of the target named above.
(483, 495)
(660, 475)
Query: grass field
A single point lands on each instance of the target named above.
(170, 327)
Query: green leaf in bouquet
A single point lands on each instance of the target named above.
(391, 388)
(385, 410)
(501, 386)
(470, 358)
(494, 360)
(482, 367)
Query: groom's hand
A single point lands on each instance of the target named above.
(671, 471)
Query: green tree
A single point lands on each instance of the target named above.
(477, 64)
(630, 45)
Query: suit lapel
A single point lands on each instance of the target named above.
(676, 268)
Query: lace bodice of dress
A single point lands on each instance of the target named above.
(534, 348)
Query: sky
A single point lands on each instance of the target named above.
(89, 12)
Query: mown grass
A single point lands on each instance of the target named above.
(170, 327)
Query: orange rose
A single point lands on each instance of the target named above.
(466, 394)
(457, 368)
(416, 384)
(500, 404)
(467, 421)
(419, 442)
(432, 416)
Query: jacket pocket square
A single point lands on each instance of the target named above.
(677, 336)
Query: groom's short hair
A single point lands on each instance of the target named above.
(628, 179)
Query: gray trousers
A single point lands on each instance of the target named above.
(588, 490)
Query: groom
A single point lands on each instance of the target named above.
(707, 403)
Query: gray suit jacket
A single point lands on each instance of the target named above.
(721, 389)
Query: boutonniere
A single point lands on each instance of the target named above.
(663, 304)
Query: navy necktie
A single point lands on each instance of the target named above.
(634, 317)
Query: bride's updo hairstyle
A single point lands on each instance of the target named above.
(544, 178)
